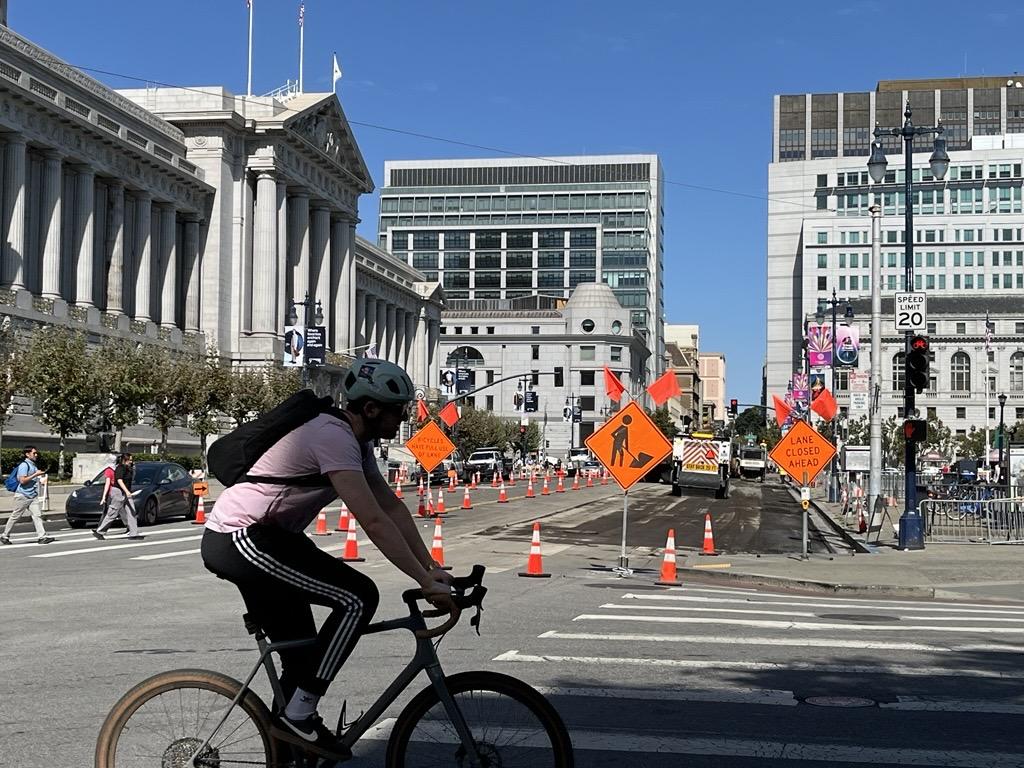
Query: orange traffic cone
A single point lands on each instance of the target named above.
(421, 510)
(200, 513)
(590, 479)
(511, 479)
(451, 484)
(604, 477)
(534, 566)
(351, 553)
(343, 518)
(560, 488)
(419, 490)
(398, 488)
(709, 538)
(529, 489)
(668, 565)
(494, 480)
(437, 547)
(502, 496)
(467, 503)
(473, 480)
(430, 501)
(544, 491)
(321, 524)
(576, 482)
(439, 509)
(862, 522)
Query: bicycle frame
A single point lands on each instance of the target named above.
(424, 660)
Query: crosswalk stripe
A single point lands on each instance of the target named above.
(881, 606)
(805, 598)
(901, 670)
(78, 537)
(810, 642)
(810, 626)
(612, 740)
(807, 614)
(913, 704)
(103, 547)
(163, 555)
(756, 696)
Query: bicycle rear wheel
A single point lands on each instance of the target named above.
(512, 724)
(162, 721)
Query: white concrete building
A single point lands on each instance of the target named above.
(969, 248)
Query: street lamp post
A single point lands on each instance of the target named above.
(1002, 441)
(292, 318)
(820, 317)
(911, 527)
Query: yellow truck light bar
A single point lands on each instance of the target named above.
(703, 435)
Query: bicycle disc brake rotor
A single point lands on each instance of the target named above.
(489, 756)
(179, 755)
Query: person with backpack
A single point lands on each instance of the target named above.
(24, 481)
(118, 497)
(305, 454)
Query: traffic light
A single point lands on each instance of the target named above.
(559, 376)
(522, 429)
(734, 406)
(917, 363)
(915, 430)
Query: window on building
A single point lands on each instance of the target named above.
(586, 378)
(587, 402)
(991, 412)
(490, 377)
(931, 412)
(616, 354)
(1018, 328)
(931, 328)
(1020, 414)
(535, 329)
(898, 372)
(822, 261)
(588, 353)
(961, 329)
(1017, 371)
(961, 412)
(823, 238)
(535, 351)
(822, 283)
(960, 372)
(490, 403)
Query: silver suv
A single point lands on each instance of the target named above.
(486, 461)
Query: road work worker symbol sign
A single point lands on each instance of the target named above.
(430, 446)
(629, 445)
(802, 453)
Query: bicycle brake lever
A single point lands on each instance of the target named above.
(475, 621)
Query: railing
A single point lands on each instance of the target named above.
(982, 515)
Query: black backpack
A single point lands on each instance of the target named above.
(232, 456)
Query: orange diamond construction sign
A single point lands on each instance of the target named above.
(430, 446)
(802, 453)
(629, 445)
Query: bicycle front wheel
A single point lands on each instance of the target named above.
(511, 723)
(164, 720)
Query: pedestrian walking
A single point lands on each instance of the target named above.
(26, 497)
(119, 502)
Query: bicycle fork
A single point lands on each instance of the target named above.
(437, 679)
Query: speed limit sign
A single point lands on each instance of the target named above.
(911, 311)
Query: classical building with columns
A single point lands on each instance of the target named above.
(191, 216)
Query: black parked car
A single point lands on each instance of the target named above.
(161, 489)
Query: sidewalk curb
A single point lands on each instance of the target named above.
(834, 588)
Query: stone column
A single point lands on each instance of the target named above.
(191, 259)
(380, 329)
(115, 247)
(85, 207)
(13, 273)
(350, 265)
(53, 184)
(320, 263)
(389, 332)
(342, 293)
(143, 254)
(410, 344)
(282, 285)
(168, 266)
(433, 335)
(399, 356)
(299, 232)
(264, 255)
(371, 319)
(419, 348)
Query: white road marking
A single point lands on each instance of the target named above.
(840, 603)
(80, 537)
(914, 704)
(809, 642)
(163, 555)
(859, 600)
(613, 740)
(718, 695)
(901, 670)
(103, 547)
(807, 614)
(810, 626)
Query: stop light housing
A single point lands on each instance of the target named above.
(917, 363)
(915, 430)
(559, 376)
(734, 406)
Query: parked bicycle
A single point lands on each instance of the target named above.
(195, 718)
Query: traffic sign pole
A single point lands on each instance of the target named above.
(623, 569)
(805, 493)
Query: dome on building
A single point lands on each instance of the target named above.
(591, 295)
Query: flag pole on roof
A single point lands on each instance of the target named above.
(302, 39)
(248, 82)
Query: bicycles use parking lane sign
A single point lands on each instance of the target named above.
(911, 311)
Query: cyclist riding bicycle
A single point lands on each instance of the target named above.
(255, 539)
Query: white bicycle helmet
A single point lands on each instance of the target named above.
(377, 380)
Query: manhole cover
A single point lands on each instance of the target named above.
(857, 618)
(839, 701)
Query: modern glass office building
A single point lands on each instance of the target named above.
(494, 230)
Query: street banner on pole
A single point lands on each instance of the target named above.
(316, 345)
(819, 345)
(294, 346)
(847, 345)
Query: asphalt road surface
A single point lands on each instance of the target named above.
(644, 676)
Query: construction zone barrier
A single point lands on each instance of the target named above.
(709, 537)
(576, 482)
(439, 507)
(534, 565)
(529, 489)
(560, 488)
(351, 553)
(398, 489)
(200, 513)
(437, 546)
(669, 578)
(502, 495)
(545, 491)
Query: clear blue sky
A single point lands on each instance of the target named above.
(692, 82)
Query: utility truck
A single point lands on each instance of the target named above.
(701, 460)
(753, 463)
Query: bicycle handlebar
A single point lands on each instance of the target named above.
(467, 592)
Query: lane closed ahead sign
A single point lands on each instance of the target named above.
(802, 453)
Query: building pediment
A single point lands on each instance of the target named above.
(322, 124)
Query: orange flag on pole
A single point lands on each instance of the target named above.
(612, 386)
(665, 387)
(449, 414)
(825, 405)
(422, 412)
(782, 411)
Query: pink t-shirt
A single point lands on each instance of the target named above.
(325, 444)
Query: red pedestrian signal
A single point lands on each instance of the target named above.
(918, 360)
(915, 430)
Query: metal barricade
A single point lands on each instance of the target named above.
(974, 519)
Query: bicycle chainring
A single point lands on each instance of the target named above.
(179, 755)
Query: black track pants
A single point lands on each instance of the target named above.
(280, 575)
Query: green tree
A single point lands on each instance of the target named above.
(858, 431)
(664, 421)
(281, 384)
(247, 394)
(207, 391)
(478, 428)
(61, 374)
(971, 445)
(750, 422)
(125, 374)
(170, 393)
